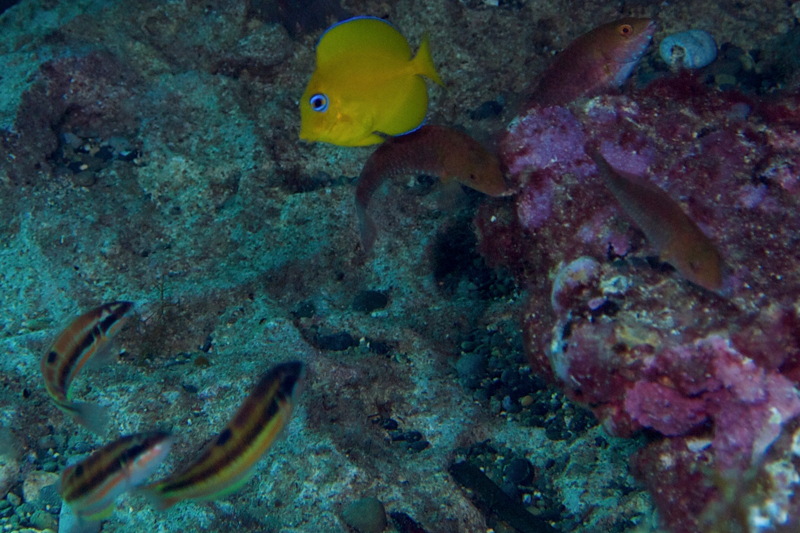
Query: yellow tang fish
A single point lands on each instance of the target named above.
(366, 85)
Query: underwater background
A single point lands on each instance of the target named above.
(525, 362)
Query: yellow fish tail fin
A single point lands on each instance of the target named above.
(423, 61)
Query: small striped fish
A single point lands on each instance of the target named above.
(87, 336)
(91, 486)
(227, 462)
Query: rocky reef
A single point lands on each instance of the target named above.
(712, 376)
(455, 383)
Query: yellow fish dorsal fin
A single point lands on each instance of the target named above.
(423, 61)
(361, 33)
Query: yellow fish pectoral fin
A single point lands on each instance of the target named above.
(353, 133)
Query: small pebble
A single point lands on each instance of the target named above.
(510, 489)
(201, 361)
(49, 498)
(581, 421)
(43, 520)
(408, 436)
(13, 499)
(25, 510)
(304, 310)
(47, 442)
(336, 342)
(71, 140)
(379, 347)
(81, 447)
(35, 482)
(471, 367)
(366, 515)
(519, 471)
(128, 155)
(509, 376)
(556, 429)
(369, 301)
(84, 178)
(488, 109)
(389, 424)
(510, 405)
(413, 436)
(725, 81)
(419, 445)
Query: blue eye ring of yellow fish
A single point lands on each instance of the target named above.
(322, 106)
(367, 85)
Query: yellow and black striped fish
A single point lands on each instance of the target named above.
(91, 486)
(87, 336)
(227, 462)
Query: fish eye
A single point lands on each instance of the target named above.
(318, 102)
(625, 29)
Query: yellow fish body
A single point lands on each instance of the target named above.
(366, 85)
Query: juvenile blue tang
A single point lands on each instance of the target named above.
(366, 85)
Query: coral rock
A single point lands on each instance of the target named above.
(715, 373)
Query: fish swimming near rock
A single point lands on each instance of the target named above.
(438, 150)
(593, 63)
(227, 462)
(86, 338)
(366, 85)
(91, 486)
(679, 241)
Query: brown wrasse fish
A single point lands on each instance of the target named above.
(679, 241)
(227, 462)
(87, 337)
(437, 150)
(91, 486)
(594, 62)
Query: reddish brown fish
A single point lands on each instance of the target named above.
(594, 62)
(436, 150)
(676, 237)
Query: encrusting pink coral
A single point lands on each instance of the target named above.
(636, 342)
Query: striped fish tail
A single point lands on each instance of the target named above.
(91, 416)
(156, 498)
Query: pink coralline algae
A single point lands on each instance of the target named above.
(663, 408)
(713, 375)
(745, 404)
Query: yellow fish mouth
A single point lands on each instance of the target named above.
(343, 129)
